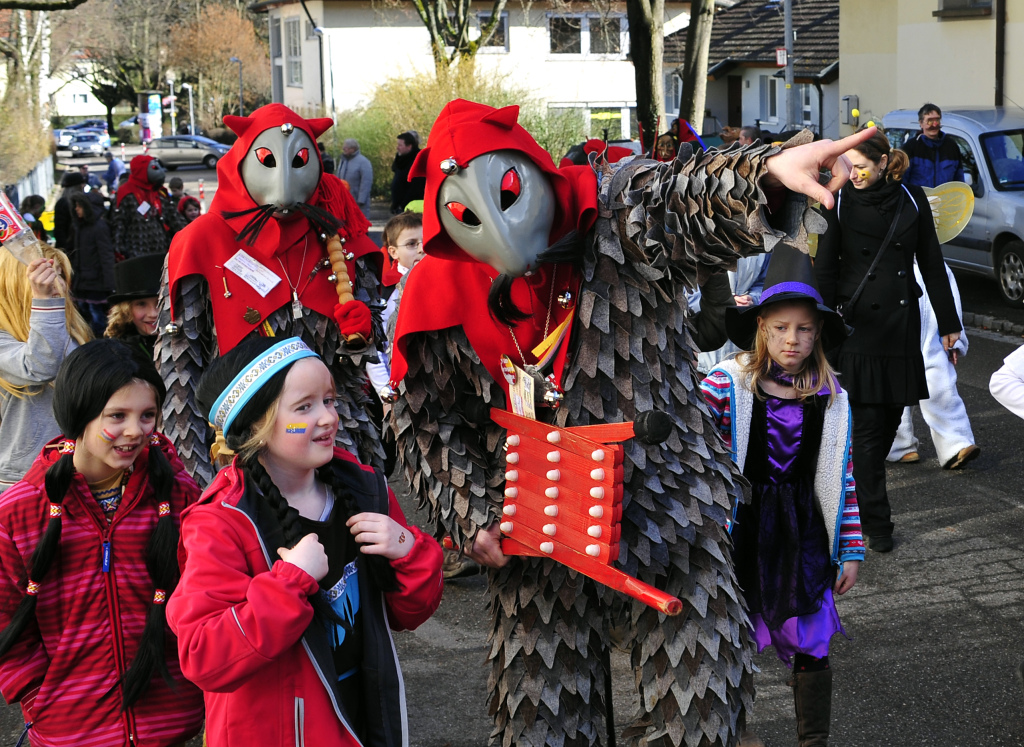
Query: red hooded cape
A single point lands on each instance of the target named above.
(138, 184)
(202, 247)
(449, 287)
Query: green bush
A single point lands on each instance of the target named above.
(401, 104)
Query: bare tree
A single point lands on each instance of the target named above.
(449, 23)
(40, 4)
(647, 47)
(695, 64)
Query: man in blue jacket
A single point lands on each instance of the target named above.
(934, 156)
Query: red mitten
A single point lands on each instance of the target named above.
(353, 319)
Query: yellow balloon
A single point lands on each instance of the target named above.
(871, 123)
(855, 112)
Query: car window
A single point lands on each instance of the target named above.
(898, 136)
(970, 161)
(1005, 154)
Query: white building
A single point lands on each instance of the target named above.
(577, 59)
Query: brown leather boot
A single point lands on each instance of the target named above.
(812, 694)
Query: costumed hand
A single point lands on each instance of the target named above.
(948, 341)
(743, 300)
(43, 278)
(798, 168)
(353, 318)
(378, 534)
(848, 577)
(485, 548)
(308, 555)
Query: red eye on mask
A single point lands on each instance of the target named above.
(463, 214)
(511, 188)
(266, 157)
(301, 158)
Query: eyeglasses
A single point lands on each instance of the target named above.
(932, 120)
(410, 245)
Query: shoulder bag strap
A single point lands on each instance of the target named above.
(881, 250)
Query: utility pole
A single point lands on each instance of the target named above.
(791, 102)
(241, 109)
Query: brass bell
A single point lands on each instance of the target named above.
(287, 128)
(333, 278)
(566, 300)
(449, 166)
(387, 394)
(553, 398)
(172, 329)
(349, 256)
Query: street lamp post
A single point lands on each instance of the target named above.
(241, 110)
(191, 115)
(174, 102)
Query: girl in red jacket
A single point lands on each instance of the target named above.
(87, 562)
(296, 564)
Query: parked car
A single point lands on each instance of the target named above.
(103, 135)
(88, 144)
(187, 150)
(991, 141)
(132, 121)
(63, 136)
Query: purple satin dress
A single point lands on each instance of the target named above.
(809, 633)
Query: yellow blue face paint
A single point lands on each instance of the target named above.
(295, 428)
(105, 437)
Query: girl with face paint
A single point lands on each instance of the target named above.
(785, 418)
(90, 558)
(313, 563)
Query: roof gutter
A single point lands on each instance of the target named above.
(1000, 50)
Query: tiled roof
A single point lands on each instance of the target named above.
(748, 33)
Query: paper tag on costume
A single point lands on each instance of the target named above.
(521, 393)
(252, 272)
(143, 208)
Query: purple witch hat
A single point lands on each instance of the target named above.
(790, 277)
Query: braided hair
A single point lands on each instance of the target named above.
(247, 437)
(86, 381)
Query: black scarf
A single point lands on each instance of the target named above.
(883, 194)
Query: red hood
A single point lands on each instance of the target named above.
(138, 184)
(465, 130)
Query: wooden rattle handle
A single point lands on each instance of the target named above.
(338, 257)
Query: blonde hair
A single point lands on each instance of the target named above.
(261, 432)
(757, 363)
(120, 320)
(16, 307)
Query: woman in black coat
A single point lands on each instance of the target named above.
(881, 363)
(92, 261)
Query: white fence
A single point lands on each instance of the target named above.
(38, 182)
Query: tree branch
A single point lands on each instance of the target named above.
(40, 4)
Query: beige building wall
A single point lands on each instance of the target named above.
(894, 54)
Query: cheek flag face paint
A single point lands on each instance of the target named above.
(295, 428)
(105, 437)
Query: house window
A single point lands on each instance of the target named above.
(805, 104)
(673, 92)
(499, 40)
(293, 52)
(963, 9)
(588, 35)
(81, 98)
(769, 98)
(310, 33)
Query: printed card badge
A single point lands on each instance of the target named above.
(522, 394)
(143, 208)
(252, 272)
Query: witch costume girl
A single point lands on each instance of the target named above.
(787, 422)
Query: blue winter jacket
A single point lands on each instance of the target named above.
(933, 162)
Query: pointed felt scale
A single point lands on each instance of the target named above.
(583, 530)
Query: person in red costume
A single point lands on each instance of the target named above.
(256, 264)
(144, 217)
(599, 263)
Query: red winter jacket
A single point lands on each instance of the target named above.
(244, 622)
(88, 622)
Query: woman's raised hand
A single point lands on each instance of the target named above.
(308, 555)
(43, 278)
(798, 168)
(380, 535)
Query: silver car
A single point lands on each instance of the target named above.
(187, 150)
(991, 141)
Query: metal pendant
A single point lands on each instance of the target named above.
(296, 306)
(251, 316)
(566, 300)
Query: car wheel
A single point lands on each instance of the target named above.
(1010, 272)
(168, 167)
(210, 162)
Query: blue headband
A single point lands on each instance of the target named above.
(253, 376)
(791, 286)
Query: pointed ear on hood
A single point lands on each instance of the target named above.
(505, 118)
(419, 166)
(237, 125)
(320, 126)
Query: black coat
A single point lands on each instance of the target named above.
(92, 261)
(881, 361)
(404, 190)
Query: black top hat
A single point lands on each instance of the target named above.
(790, 277)
(138, 277)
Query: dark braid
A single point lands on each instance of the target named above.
(58, 482)
(162, 564)
(381, 573)
(288, 519)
